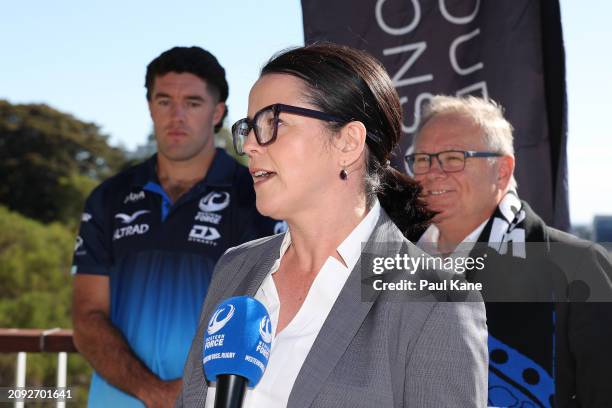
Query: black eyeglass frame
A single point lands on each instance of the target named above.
(277, 108)
(466, 154)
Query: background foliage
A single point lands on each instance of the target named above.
(49, 163)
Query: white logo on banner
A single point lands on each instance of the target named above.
(215, 324)
(214, 201)
(127, 219)
(85, 217)
(265, 329)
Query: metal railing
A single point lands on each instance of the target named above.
(23, 341)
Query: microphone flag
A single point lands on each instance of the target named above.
(238, 340)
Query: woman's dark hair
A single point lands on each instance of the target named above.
(353, 85)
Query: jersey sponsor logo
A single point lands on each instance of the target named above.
(85, 217)
(208, 217)
(128, 219)
(214, 201)
(78, 246)
(204, 234)
(280, 226)
(130, 230)
(215, 324)
(133, 197)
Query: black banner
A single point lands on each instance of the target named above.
(507, 50)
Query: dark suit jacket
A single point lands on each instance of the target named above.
(379, 352)
(576, 272)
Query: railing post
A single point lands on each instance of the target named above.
(62, 368)
(21, 374)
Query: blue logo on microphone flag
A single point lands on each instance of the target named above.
(238, 340)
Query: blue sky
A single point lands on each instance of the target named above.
(89, 59)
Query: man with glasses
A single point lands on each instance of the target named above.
(541, 353)
(150, 238)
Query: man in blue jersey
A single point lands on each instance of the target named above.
(547, 293)
(151, 235)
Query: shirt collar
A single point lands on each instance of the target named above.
(429, 239)
(350, 248)
(220, 173)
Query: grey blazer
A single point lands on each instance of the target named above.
(376, 353)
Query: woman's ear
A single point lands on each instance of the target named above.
(350, 142)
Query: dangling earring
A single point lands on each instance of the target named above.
(343, 174)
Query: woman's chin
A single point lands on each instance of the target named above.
(268, 208)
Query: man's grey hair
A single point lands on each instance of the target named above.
(488, 115)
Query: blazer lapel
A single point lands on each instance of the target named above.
(249, 275)
(343, 321)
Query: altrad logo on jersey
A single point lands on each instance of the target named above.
(130, 230)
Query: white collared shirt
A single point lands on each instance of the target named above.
(292, 345)
(429, 240)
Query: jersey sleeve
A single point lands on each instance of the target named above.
(93, 249)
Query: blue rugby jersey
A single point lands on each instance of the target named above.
(160, 256)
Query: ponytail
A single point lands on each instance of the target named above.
(398, 195)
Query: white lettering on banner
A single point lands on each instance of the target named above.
(130, 230)
(452, 54)
(398, 31)
(419, 49)
(420, 100)
(404, 76)
(459, 20)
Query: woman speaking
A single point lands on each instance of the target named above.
(322, 123)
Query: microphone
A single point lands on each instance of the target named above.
(236, 348)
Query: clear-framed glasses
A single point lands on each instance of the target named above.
(450, 161)
(265, 124)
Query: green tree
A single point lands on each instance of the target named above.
(50, 161)
(36, 292)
